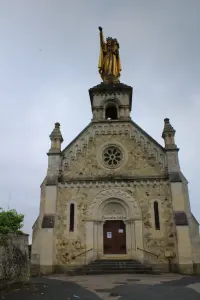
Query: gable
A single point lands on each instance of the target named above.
(143, 156)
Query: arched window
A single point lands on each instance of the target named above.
(71, 221)
(156, 215)
(111, 112)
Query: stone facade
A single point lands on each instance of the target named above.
(113, 170)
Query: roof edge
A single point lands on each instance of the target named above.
(128, 121)
(62, 152)
(147, 135)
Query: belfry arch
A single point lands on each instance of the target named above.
(111, 112)
(111, 109)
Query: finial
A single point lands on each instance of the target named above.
(56, 134)
(166, 120)
(57, 125)
(168, 134)
(56, 140)
(168, 129)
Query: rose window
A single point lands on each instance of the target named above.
(112, 157)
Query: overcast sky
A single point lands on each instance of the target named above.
(48, 60)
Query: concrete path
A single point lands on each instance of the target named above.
(139, 287)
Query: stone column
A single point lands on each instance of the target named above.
(127, 112)
(132, 233)
(128, 238)
(121, 112)
(89, 228)
(95, 238)
(98, 238)
(139, 240)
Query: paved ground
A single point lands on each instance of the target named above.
(139, 287)
(112, 287)
(49, 289)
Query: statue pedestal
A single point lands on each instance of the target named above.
(111, 79)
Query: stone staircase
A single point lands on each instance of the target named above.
(111, 266)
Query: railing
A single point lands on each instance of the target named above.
(82, 254)
(167, 258)
(147, 251)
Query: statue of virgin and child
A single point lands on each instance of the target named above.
(109, 60)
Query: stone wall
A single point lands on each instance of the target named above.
(14, 258)
(83, 175)
(195, 241)
(155, 241)
(136, 160)
(35, 248)
(127, 133)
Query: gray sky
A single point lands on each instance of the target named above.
(48, 61)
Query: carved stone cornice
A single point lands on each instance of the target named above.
(109, 89)
(113, 183)
(113, 178)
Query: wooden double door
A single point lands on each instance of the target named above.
(114, 233)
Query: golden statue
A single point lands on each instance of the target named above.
(109, 60)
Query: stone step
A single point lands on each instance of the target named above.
(116, 264)
(105, 261)
(107, 267)
(113, 271)
(114, 267)
(116, 259)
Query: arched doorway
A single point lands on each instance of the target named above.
(114, 204)
(114, 233)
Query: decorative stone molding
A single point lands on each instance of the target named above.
(111, 100)
(120, 196)
(111, 91)
(112, 184)
(79, 145)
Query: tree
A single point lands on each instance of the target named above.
(10, 221)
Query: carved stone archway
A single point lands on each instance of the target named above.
(132, 218)
(126, 199)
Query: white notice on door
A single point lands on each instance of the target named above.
(109, 235)
(120, 230)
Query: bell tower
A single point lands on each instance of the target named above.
(111, 101)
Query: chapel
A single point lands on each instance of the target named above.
(114, 192)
